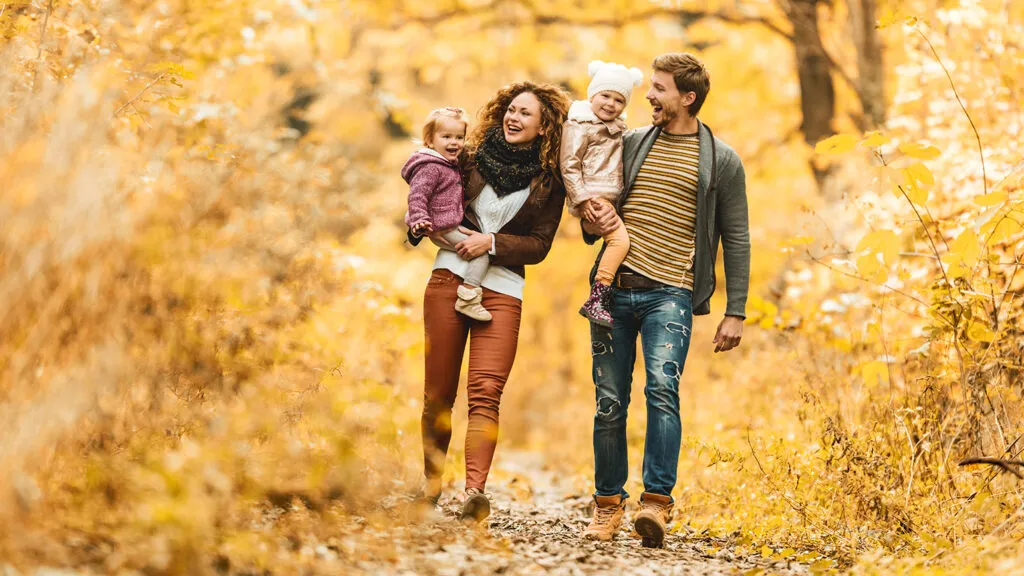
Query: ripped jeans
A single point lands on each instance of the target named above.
(663, 318)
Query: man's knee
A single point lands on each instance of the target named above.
(609, 411)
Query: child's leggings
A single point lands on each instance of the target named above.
(477, 266)
(616, 246)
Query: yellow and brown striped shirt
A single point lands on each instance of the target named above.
(660, 211)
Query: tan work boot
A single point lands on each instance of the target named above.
(608, 512)
(469, 303)
(653, 518)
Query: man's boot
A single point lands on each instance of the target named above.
(651, 522)
(608, 512)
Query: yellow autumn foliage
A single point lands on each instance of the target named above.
(210, 327)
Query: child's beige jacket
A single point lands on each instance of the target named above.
(591, 157)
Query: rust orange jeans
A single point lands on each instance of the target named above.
(492, 349)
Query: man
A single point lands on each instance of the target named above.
(684, 191)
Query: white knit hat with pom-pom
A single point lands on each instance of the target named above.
(614, 77)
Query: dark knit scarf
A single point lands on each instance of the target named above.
(506, 167)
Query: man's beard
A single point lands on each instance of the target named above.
(666, 117)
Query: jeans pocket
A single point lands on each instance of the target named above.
(676, 291)
(440, 278)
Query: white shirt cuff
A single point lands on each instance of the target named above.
(491, 251)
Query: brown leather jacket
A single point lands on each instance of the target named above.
(591, 157)
(526, 238)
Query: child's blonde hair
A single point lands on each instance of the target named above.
(430, 125)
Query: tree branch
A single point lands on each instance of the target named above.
(542, 19)
(1005, 465)
(42, 41)
(139, 95)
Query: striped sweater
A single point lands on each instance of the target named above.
(660, 212)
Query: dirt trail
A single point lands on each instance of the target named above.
(535, 530)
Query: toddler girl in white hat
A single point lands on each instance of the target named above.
(592, 168)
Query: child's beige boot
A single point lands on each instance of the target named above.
(469, 303)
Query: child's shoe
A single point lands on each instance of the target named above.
(596, 307)
(469, 303)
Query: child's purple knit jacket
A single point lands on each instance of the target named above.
(435, 190)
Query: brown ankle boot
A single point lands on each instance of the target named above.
(476, 507)
(653, 518)
(608, 512)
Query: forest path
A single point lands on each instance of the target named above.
(534, 528)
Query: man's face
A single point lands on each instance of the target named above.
(666, 100)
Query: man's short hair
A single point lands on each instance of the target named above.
(689, 74)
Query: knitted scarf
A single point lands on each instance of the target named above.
(506, 167)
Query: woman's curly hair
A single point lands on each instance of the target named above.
(554, 107)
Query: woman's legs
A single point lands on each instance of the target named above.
(445, 332)
(492, 349)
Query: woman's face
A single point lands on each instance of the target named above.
(522, 119)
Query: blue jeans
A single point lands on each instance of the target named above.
(663, 318)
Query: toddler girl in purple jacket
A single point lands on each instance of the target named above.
(435, 197)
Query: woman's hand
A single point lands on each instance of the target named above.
(606, 220)
(437, 237)
(476, 245)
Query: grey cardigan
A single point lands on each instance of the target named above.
(721, 215)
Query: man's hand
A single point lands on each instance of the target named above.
(587, 211)
(476, 245)
(605, 220)
(729, 333)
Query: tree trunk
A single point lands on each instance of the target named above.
(870, 73)
(817, 92)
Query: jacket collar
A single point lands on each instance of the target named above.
(432, 152)
(633, 164)
(580, 111)
(540, 190)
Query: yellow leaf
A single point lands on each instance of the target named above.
(871, 269)
(843, 344)
(888, 18)
(920, 151)
(916, 195)
(955, 267)
(874, 373)
(837, 144)
(991, 199)
(918, 172)
(979, 332)
(884, 242)
(874, 139)
(766, 551)
(821, 566)
(1003, 230)
(966, 247)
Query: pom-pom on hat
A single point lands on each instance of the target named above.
(614, 77)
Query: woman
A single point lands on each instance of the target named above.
(514, 198)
